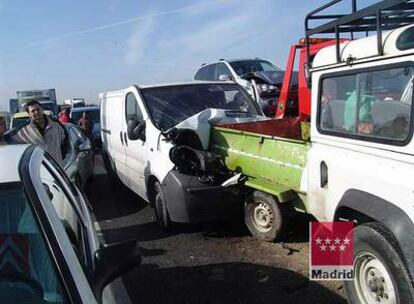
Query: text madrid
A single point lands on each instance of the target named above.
(335, 274)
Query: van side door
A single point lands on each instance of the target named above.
(113, 125)
(136, 154)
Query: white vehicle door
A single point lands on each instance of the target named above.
(358, 142)
(115, 127)
(136, 156)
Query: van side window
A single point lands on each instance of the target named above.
(132, 110)
(371, 105)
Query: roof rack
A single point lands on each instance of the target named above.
(384, 15)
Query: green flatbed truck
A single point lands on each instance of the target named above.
(269, 163)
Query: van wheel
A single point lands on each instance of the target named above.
(379, 273)
(263, 216)
(160, 208)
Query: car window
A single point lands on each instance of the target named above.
(206, 73)
(221, 69)
(68, 210)
(372, 104)
(28, 272)
(132, 110)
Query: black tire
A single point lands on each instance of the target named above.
(263, 216)
(376, 258)
(160, 207)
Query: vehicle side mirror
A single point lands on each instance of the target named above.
(113, 261)
(225, 77)
(85, 146)
(136, 129)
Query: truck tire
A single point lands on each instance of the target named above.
(263, 216)
(380, 275)
(160, 207)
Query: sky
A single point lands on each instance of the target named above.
(82, 48)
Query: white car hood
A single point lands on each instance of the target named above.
(202, 122)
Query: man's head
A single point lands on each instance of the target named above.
(85, 115)
(35, 111)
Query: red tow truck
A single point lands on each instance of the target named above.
(292, 102)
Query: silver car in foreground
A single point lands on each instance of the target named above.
(49, 250)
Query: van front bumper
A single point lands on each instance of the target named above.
(190, 201)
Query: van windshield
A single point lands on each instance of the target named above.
(168, 106)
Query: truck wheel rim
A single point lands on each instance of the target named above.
(263, 217)
(372, 281)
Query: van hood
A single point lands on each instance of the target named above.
(202, 122)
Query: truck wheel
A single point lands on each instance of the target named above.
(160, 208)
(263, 216)
(379, 273)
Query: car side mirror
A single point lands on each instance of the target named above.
(113, 261)
(136, 129)
(225, 77)
(84, 146)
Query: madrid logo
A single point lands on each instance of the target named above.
(331, 251)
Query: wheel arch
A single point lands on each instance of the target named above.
(363, 207)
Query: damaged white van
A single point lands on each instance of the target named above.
(155, 140)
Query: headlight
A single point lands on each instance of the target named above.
(263, 87)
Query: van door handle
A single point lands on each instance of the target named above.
(122, 139)
(125, 139)
(324, 175)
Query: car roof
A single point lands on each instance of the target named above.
(10, 168)
(196, 82)
(26, 115)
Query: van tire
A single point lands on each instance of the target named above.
(263, 216)
(160, 207)
(377, 262)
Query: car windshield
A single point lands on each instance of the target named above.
(27, 272)
(20, 122)
(93, 115)
(243, 67)
(48, 107)
(171, 105)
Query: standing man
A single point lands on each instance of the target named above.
(41, 131)
(86, 125)
(2, 130)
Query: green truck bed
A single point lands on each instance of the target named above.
(271, 163)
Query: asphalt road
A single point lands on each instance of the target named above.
(211, 263)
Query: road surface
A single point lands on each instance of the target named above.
(212, 263)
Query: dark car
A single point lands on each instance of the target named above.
(77, 150)
(78, 162)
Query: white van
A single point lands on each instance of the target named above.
(155, 141)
